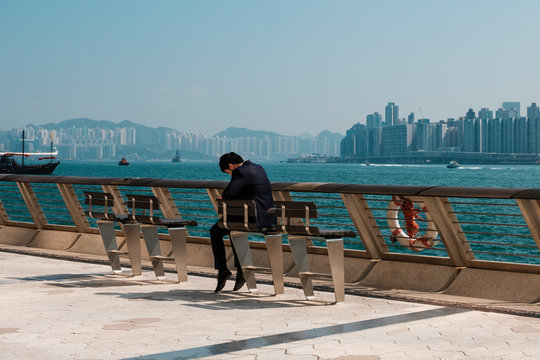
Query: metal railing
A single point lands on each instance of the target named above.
(489, 228)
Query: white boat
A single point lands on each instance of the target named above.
(453, 164)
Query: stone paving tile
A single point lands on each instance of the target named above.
(54, 315)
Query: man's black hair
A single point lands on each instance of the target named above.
(229, 158)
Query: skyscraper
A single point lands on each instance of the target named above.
(374, 120)
(391, 114)
(512, 108)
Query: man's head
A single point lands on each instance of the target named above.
(230, 161)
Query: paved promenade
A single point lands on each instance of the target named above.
(57, 309)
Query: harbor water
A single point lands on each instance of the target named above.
(511, 235)
(525, 176)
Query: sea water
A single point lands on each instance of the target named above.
(485, 240)
(520, 176)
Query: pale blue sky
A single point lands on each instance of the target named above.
(287, 66)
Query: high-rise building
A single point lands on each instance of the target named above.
(374, 120)
(355, 144)
(533, 112)
(391, 114)
(521, 135)
(533, 128)
(426, 136)
(410, 119)
(507, 135)
(470, 114)
(485, 114)
(494, 131)
(397, 140)
(502, 114)
(512, 108)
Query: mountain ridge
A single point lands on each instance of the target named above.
(230, 132)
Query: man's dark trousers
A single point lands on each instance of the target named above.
(218, 248)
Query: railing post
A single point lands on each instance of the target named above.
(4, 218)
(531, 212)
(447, 224)
(32, 204)
(74, 206)
(168, 207)
(214, 194)
(365, 224)
(119, 206)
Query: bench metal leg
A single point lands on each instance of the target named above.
(275, 256)
(241, 245)
(299, 251)
(178, 239)
(336, 255)
(133, 242)
(151, 239)
(106, 230)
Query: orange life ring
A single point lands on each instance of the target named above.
(414, 242)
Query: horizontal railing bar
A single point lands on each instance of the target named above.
(484, 214)
(12, 198)
(479, 204)
(387, 218)
(192, 200)
(501, 244)
(57, 213)
(193, 191)
(194, 208)
(507, 254)
(494, 224)
(398, 245)
(334, 216)
(386, 209)
(497, 234)
(315, 197)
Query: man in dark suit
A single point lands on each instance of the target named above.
(248, 182)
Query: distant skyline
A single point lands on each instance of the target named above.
(284, 66)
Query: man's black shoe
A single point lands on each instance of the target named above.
(240, 281)
(222, 278)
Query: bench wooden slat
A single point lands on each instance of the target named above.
(104, 201)
(147, 204)
(288, 211)
(295, 209)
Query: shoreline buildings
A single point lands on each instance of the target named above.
(505, 137)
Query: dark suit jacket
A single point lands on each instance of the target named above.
(250, 182)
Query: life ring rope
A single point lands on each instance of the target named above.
(411, 238)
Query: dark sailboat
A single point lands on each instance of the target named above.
(8, 164)
(176, 157)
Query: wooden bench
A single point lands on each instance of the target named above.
(143, 210)
(294, 219)
(239, 216)
(101, 207)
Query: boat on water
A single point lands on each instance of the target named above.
(453, 164)
(123, 162)
(313, 158)
(176, 157)
(9, 165)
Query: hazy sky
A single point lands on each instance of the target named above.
(288, 66)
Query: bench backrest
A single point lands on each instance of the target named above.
(294, 217)
(142, 208)
(104, 201)
(239, 215)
